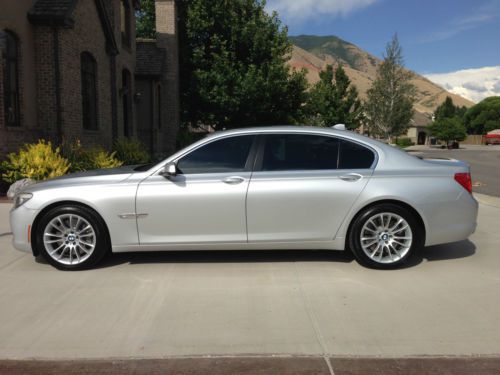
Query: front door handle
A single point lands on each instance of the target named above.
(351, 177)
(234, 180)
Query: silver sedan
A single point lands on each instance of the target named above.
(261, 188)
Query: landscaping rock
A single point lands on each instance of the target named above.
(17, 186)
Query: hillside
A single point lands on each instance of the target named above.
(315, 52)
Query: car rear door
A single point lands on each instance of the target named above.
(303, 186)
(204, 202)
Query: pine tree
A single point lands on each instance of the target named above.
(389, 105)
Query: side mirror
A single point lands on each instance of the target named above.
(170, 170)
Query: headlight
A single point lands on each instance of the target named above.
(21, 199)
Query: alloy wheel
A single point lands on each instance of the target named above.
(386, 237)
(69, 239)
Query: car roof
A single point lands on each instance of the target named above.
(305, 129)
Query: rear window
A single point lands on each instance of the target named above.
(292, 152)
(355, 156)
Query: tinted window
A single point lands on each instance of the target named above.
(299, 152)
(226, 155)
(89, 91)
(354, 156)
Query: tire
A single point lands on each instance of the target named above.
(71, 237)
(385, 236)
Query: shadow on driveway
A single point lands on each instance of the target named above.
(451, 251)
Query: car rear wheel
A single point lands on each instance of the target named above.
(385, 236)
(71, 237)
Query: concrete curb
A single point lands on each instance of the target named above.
(488, 200)
(261, 365)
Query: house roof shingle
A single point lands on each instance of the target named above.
(57, 11)
(60, 13)
(149, 58)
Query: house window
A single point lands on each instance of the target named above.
(9, 47)
(89, 91)
(158, 99)
(125, 22)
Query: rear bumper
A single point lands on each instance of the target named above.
(21, 220)
(451, 221)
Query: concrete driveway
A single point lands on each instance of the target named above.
(158, 305)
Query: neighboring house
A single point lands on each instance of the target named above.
(418, 131)
(72, 69)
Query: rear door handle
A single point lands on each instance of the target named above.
(234, 180)
(351, 177)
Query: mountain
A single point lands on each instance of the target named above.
(314, 52)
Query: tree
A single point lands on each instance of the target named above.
(389, 105)
(484, 116)
(234, 68)
(449, 110)
(448, 129)
(145, 20)
(333, 100)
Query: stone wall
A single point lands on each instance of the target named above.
(167, 39)
(87, 35)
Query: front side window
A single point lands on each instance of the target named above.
(227, 155)
(289, 152)
(89, 91)
(9, 47)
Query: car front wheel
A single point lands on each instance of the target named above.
(385, 236)
(71, 237)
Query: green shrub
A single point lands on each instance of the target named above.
(38, 161)
(404, 142)
(83, 159)
(131, 151)
(103, 159)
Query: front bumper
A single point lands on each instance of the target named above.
(21, 221)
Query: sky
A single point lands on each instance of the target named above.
(455, 43)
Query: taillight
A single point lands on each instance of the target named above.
(465, 180)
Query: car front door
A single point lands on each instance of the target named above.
(303, 186)
(204, 202)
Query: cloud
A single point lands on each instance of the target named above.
(473, 84)
(301, 10)
(483, 14)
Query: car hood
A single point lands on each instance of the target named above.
(97, 176)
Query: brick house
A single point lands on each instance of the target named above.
(71, 69)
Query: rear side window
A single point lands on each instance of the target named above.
(222, 156)
(288, 152)
(355, 156)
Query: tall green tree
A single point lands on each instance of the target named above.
(484, 116)
(448, 109)
(334, 100)
(145, 20)
(389, 104)
(234, 68)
